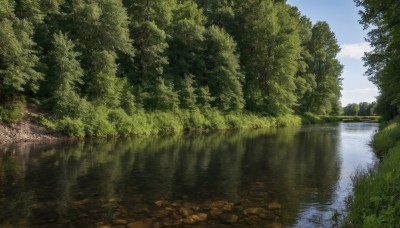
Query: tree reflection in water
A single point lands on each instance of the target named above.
(100, 181)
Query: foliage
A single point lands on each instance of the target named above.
(10, 112)
(269, 41)
(323, 97)
(388, 137)
(71, 127)
(18, 57)
(376, 191)
(224, 77)
(351, 109)
(108, 67)
(64, 77)
(361, 109)
(382, 62)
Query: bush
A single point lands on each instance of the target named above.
(11, 112)
(193, 120)
(376, 198)
(71, 127)
(388, 137)
(165, 122)
(97, 123)
(141, 124)
(122, 123)
(43, 121)
(310, 118)
(288, 120)
(235, 121)
(215, 120)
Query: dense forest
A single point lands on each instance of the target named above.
(100, 67)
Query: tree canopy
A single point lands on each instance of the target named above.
(226, 56)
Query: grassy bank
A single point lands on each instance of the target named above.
(310, 118)
(370, 119)
(376, 199)
(103, 122)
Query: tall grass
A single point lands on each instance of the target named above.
(376, 199)
(102, 122)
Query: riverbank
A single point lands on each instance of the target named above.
(27, 131)
(37, 126)
(376, 198)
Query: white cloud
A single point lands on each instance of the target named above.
(358, 95)
(354, 51)
(361, 90)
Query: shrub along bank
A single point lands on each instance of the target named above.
(103, 122)
(376, 199)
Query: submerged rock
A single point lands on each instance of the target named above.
(160, 203)
(145, 223)
(138, 224)
(274, 206)
(120, 222)
(215, 212)
(185, 211)
(172, 222)
(81, 202)
(260, 212)
(202, 217)
(229, 218)
(190, 220)
(275, 225)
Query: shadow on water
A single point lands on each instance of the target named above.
(288, 177)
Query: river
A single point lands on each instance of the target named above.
(286, 177)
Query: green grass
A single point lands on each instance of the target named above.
(376, 199)
(374, 119)
(310, 118)
(102, 122)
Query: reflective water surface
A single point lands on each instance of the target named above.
(290, 177)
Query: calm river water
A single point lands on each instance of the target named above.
(289, 177)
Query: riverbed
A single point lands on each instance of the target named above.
(285, 177)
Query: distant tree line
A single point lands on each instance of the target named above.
(361, 109)
(85, 58)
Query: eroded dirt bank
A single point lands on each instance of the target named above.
(25, 131)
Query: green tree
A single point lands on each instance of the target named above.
(304, 80)
(18, 58)
(149, 21)
(64, 77)
(351, 109)
(223, 76)
(101, 25)
(269, 41)
(219, 12)
(100, 29)
(104, 87)
(372, 109)
(186, 45)
(384, 36)
(323, 47)
(204, 98)
(162, 98)
(364, 109)
(187, 94)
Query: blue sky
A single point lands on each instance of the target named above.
(342, 16)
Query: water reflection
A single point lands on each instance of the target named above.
(96, 182)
